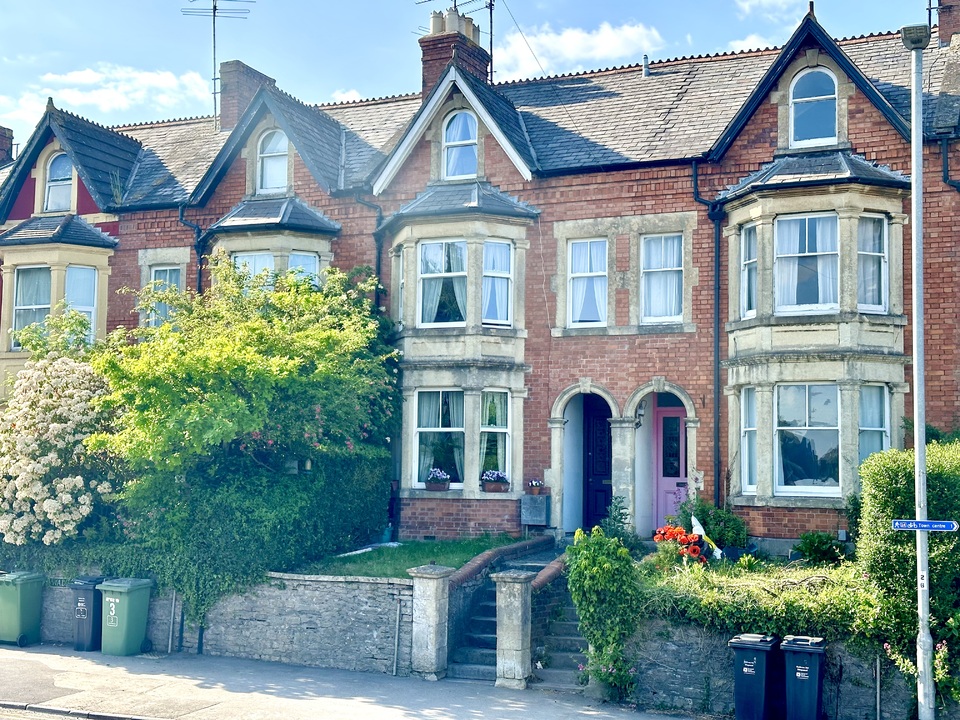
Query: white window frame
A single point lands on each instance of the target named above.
(448, 145)
(813, 142)
(573, 276)
(799, 309)
(884, 430)
(443, 275)
(647, 274)
(779, 489)
(295, 264)
(746, 266)
(264, 157)
(441, 429)
(14, 345)
(89, 310)
(497, 275)
(884, 256)
(504, 430)
(52, 183)
(748, 450)
(161, 311)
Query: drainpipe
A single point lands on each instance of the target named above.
(197, 246)
(378, 239)
(716, 213)
(944, 148)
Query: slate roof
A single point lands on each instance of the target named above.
(479, 198)
(267, 214)
(809, 169)
(66, 229)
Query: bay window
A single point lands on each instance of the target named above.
(872, 271)
(31, 297)
(588, 283)
(496, 283)
(661, 278)
(806, 264)
(81, 293)
(494, 432)
(443, 283)
(440, 433)
(807, 440)
(748, 440)
(748, 271)
(874, 420)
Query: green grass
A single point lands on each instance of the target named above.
(393, 562)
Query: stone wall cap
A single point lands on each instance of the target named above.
(513, 576)
(431, 571)
(339, 579)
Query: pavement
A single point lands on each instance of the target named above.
(57, 679)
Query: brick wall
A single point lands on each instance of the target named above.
(445, 518)
(790, 523)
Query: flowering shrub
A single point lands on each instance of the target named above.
(437, 475)
(49, 482)
(494, 476)
(673, 542)
(534, 482)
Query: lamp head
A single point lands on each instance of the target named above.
(915, 37)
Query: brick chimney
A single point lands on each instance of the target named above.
(948, 20)
(450, 34)
(238, 84)
(6, 145)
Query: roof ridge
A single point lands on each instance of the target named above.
(81, 118)
(368, 101)
(167, 121)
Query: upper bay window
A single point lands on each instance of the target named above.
(460, 146)
(661, 279)
(813, 108)
(807, 264)
(272, 163)
(748, 272)
(443, 283)
(59, 188)
(497, 281)
(587, 296)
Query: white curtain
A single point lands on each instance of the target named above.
(663, 280)
(788, 243)
(579, 263)
(31, 296)
(431, 263)
(825, 229)
(428, 416)
(457, 263)
(870, 261)
(598, 263)
(872, 420)
(455, 404)
(496, 259)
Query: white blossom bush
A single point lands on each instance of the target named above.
(49, 482)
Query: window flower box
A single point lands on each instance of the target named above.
(494, 481)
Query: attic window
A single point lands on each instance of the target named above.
(59, 184)
(272, 162)
(460, 146)
(813, 108)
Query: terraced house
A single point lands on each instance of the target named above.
(687, 276)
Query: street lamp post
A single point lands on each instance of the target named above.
(915, 38)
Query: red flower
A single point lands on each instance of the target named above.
(694, 550)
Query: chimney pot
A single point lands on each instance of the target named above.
(458, 42)
(436, 23)
(646, 66)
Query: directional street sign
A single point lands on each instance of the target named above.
(928, 525)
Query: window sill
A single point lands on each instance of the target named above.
(828, 318)
(646, 329)
(793, 501)
(462, 330)
(828, 146)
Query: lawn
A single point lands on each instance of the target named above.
(394, 561)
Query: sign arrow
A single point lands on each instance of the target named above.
(927, 525)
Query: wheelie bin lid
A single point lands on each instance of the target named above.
(754, 641)
(124, 584)
(803, 643)
(87, 582)
(19, 578)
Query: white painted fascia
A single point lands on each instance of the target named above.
(413, 135)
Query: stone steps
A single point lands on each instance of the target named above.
(472, 671)
(565, 656)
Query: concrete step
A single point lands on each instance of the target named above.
(475, 656)
(561, 643)
(561, 660)
(567, 613)
(560, 680)
(487, 609)
(467, 671)
(483, 625)
(568, 628)
(481, 640)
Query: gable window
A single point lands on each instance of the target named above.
(272, 162)
(748, 440)
(440, 433)
(31, 297)
(460, 146)
(807, 440)
(59, 188)
(494, 432)
(588, 283)
(813, 108)
(806, 264)
(496, 283)
(443, 282)
(872, 264)
(661, 278)
(874, 420)
(748, 272)
(81, 293)
(164, 278)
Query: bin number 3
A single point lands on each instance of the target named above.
(113, 609)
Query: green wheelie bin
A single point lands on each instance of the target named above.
(21, 604)
(126, 604)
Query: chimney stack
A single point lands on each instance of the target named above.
(238, 84)
(948, 20)
(452, 37)
(6, 145)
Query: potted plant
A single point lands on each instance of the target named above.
(437, 480)
(534, 486)
(494, 481)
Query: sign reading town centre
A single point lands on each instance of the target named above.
(928, 525)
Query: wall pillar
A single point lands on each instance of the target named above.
(553, 476)
(431, 600)
(514, 664)
(622, 433)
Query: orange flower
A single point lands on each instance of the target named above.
(694, 550)
(658, 538)
(694, 538)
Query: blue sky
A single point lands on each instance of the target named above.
(124, 61)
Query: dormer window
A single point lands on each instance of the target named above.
(59, 189)
(272, 162)
(813, 108)
(460, 146)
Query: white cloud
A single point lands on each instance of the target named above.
(572, 49)
(346, 95)
(753, 41)
(109, 88)
(689, 39)
(773, 10)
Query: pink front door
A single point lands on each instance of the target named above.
(670, 473)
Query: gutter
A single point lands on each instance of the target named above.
(944, 148)
(197, 246)
(716, 213)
